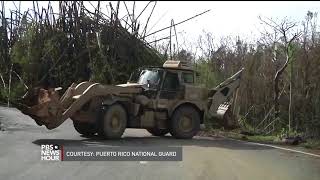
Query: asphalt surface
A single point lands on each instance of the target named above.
(203, 158)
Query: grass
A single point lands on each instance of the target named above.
(255, 138)
(235, 134)
(260, 138)
(311, 144)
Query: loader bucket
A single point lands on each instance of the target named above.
(47, 108)
(41, 105)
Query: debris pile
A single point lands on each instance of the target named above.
(44, 49)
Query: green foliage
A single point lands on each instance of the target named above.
(207, 76)
(263, 139)
(58, 53)
(311, 144)
(286, 133)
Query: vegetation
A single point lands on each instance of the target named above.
(279, 92)
(78, 45)
(311, 144)
(280, 89)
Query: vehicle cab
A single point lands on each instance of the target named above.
(171, 78)
(170, 86)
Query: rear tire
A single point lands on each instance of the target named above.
(112, 121)
(158, 132)
(86, 129)
(185, 122)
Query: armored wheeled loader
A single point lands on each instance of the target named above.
(162, 100)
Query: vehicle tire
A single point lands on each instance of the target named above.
(112, 121)
(157, 131)
(185, 122)
(87, 129)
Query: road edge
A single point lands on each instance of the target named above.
(276, 147)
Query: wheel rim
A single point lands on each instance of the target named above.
(115, 121)
(186, 123)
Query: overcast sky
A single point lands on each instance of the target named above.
(225, 18)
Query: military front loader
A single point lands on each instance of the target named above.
(161, 99)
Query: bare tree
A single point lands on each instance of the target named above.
(285, 28)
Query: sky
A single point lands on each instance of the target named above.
(225, 18)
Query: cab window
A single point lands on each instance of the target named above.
(171, 82)
(187, 78)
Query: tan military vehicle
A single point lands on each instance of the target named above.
(160, 99)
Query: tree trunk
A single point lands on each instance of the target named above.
(9, 86)
(276, 87)
(290, 104)
(3, 83)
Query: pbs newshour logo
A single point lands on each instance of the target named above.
(51, 152)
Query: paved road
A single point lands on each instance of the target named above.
(203, 158)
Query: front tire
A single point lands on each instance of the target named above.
(113, 121)
(86, 129)
(158, 132)
(185, 122)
